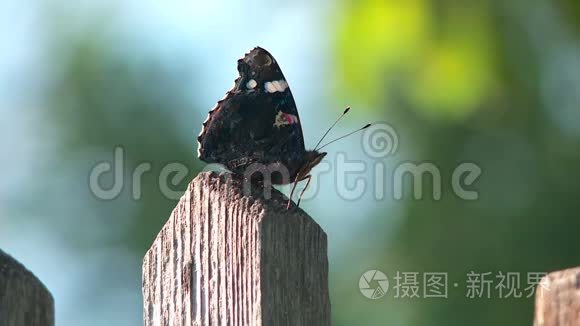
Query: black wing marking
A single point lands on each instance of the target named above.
(256, 121)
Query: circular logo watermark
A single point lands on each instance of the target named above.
(380, 140)
(373, 284)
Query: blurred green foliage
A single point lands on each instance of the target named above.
(466, 81)
(102, 98)
(443, 58)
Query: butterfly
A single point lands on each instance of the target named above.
(255, 130)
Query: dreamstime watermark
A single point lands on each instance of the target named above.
(374, 284)
(351, 177)
(380, 141)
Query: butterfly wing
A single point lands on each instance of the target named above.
(257, 121)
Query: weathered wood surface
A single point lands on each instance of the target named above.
(558, 299)
(224, 258)
(24, 301)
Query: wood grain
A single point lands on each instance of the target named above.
(24, 301)
(558, 299)
(226, 257)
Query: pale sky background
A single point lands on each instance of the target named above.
(219, 32)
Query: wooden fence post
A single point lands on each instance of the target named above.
(558, 299)
(24, 301)
(224, 258)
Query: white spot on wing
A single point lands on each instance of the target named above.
(251, 84)
(276, 86)
(281, 85)
(270, 88)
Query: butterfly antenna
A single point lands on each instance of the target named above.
(350, 133)
(334, 124)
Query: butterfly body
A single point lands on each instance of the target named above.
(256, 127)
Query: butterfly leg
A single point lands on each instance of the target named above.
(309, 177)
(292, 194)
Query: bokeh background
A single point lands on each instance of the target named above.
(496, 83)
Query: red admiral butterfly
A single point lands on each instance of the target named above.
(256, 128)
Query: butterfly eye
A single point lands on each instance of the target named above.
(262, 59)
